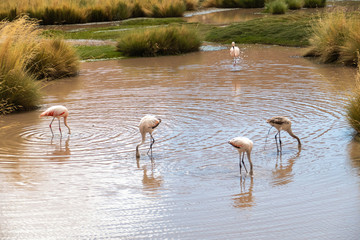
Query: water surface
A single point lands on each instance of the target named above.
(89, 185)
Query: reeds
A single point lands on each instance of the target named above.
(18, 87)
(26, 57)
(169, 40)
(336, 38)
(53, 59)
(68, 11)
(353, 107)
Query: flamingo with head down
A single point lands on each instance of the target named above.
(147, 125)
(58, 112)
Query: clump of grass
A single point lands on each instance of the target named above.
(349, 52)
(353, 107)
(295, 4)
(170, 8)
(335, 38)
(314, 3)
(18, 87)
(25, 57)
(53, 59)
(169, 40)
(276, 7)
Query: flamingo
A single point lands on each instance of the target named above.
(234, 52)
(58, 112)
(243, 144)
(147, 125)
(282, 123)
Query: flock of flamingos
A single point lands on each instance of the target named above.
(149, 122)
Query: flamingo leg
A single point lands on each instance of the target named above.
(152, 141)
(243, 162)
(240, 163)
(50, 126)
(276, 141)
(59, 127)
(280, 142)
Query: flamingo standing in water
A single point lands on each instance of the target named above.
(234, 52)
(282, 123)
(243, 144)
(57, 112)
(147, 125)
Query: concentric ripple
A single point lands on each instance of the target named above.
(89, 184)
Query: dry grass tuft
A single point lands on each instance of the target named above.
(169, 40)
(69, 11)
(25, 57)
(336, 37)
(353, 108)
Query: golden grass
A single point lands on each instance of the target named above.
(169, 40)
(335, 37)
(69, 11)
(353, 108)
(25, 57)
(349, 51)
(17, 86)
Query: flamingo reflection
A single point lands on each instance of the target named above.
(245, 198)
(61, 152)
(283, 173)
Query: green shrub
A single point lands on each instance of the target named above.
(295, 4)
(314, 3)
(277, 7)
(170, 40)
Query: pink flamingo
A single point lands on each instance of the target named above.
(57, 112)
(243, 144)
(147, 125)
(234, 52)
(282, 123)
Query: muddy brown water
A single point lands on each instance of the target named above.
(89, 185)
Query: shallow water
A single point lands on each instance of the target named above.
(89, 185)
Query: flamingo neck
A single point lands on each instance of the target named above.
(65, 122)
(294, 136)
(137, 146)
(248, 153)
